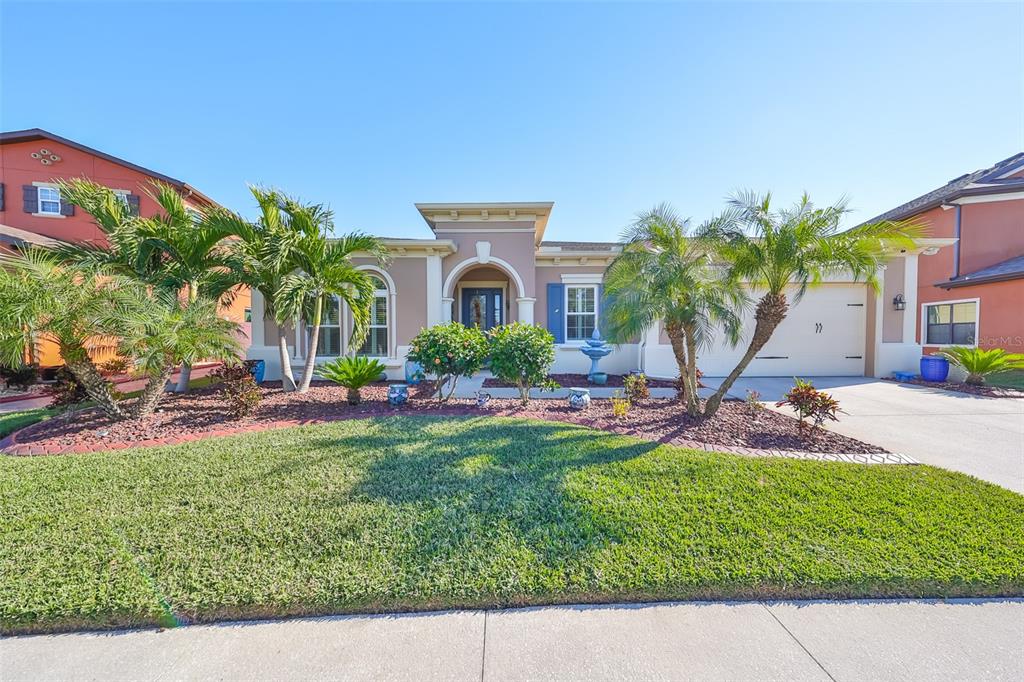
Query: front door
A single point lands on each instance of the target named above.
(482, 308)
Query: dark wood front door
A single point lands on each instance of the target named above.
(482, 308)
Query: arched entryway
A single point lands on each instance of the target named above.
(487, 292)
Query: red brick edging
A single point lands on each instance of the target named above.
(11, 446)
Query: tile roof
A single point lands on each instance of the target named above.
(1012, 268)
(953, 188)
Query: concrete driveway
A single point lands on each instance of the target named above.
(983, 437)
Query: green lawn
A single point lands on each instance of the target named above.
(424, 513)
(12, 421)
(1013, 379)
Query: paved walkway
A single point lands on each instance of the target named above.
(980, 436)
(864, 640)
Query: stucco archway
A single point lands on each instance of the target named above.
(524, 303)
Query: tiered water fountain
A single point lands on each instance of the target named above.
(595, 349)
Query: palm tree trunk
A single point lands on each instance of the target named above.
(186, 369)
(314, 339)
(692, 397)
(151, 394)
(675, 337)
(771, 311)
(287, 378)
(95, 385)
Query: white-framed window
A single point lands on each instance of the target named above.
(49, 200)
(376, 344)
(328, 344)
(951, 323)
(580, 311)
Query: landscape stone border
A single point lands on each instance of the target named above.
(11, 446)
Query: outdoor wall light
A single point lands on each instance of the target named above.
(899, 303)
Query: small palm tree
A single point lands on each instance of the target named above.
(160, 332)
(352, 373)
(265, 249)
(43, 299)
(323, 270)
(665, 274)
(178, 249)
(979, 363)
(773, 250)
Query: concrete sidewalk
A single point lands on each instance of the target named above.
(858, 640)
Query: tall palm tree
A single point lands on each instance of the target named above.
(42, 299)
(776, 250)
(323, 271)
(663, 273)
(160, 331)
(178, 249)
(265, 249)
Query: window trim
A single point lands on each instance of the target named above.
(565, 316)
(339, 326)
(924, 322)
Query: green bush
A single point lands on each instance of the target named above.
(635, 386)
(449, 351)
(522, 354)
(239, 389)
(20, 377)
(352, 373)
(980, 363)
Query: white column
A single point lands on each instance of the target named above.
(298, 340)
(525, 310)
(879, 312)
(910, 295)
(446, 309)
(435, 307)
(257, 334)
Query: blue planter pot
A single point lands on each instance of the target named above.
(398, 394)
(598, 378)
(258, 369)
(934, 368)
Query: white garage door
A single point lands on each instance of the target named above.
(823, 335)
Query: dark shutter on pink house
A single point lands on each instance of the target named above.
(556, 312)
(1, 196)
(67, 208)
(133, 203)
(29, 199)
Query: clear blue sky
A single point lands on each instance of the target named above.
(604, 109)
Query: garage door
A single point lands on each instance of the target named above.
(823, 335)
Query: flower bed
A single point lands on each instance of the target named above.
(202, 413)
(570, 380)
(987, 390)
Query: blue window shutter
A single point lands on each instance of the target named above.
(600, 308)
(556, 315)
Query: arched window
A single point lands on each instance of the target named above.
(329, 342)
(376, 344)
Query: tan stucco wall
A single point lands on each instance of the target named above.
(892, 320)
(515, 248)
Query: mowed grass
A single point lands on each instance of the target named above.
(12, 421)
(423, 513)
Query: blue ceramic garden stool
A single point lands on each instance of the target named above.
(398, 394)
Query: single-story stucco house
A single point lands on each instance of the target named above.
(488, 264)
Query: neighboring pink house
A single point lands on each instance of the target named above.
(972, 293)
(489, 264)
(33, 212)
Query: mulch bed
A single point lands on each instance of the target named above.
(580, 380)
(203, 412)
(987, 391)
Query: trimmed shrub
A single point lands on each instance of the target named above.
(810, 403)
(635, 386)
(238, 389)
(19, 377)
(115, 367)
(522, 354)
(352, 373)
(447, 352)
